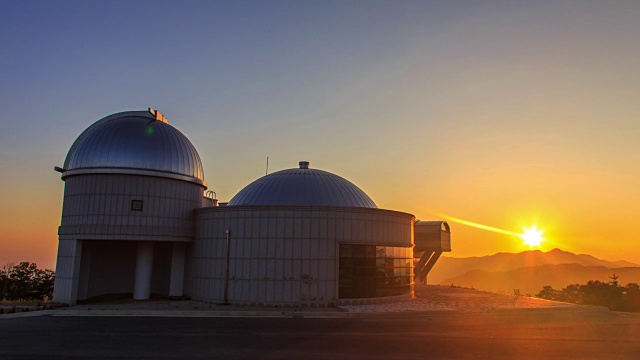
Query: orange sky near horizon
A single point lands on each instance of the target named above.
(508, 115)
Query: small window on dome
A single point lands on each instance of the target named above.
(136, 205)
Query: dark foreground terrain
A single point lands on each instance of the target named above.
(517, 334)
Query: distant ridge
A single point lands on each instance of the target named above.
(531, 279)
(496, 271)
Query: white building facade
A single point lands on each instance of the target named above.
(135, 224)
(290, 255)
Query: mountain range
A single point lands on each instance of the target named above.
(529, 271)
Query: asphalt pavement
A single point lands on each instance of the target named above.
(573, 333)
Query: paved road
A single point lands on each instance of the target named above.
(525, 334)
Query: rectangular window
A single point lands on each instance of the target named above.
(136, 205)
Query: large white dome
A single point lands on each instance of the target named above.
(139, 142)
(303, 186)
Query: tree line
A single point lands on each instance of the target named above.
(25, 281)
(595, 292)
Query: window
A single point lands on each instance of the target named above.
(136, 205)
(367, 271)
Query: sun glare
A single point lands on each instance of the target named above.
(532, 236)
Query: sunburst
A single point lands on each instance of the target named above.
(532, 236)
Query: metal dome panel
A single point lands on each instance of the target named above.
(134, 140)
(302, 186)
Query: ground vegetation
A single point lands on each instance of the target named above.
(595, 292)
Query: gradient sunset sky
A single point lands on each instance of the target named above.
(504, 113)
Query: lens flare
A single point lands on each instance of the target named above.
(479, 226)
(532, 236)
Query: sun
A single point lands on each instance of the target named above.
(532, 236)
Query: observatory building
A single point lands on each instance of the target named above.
(136, 221)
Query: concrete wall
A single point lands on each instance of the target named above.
(283, 255)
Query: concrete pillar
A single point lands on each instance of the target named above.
(65, 289)
(144, 266)
(177, 269)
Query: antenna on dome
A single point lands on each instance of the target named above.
(158, 115)
(267, 169)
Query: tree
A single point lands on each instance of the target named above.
(26, 282)
(614, 279)
(549, 293)
(599, 293)
(572, 294)
(4, 279)
(631, 297)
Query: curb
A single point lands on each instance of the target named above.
(291, 314)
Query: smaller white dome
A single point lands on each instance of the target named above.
(303, 186)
